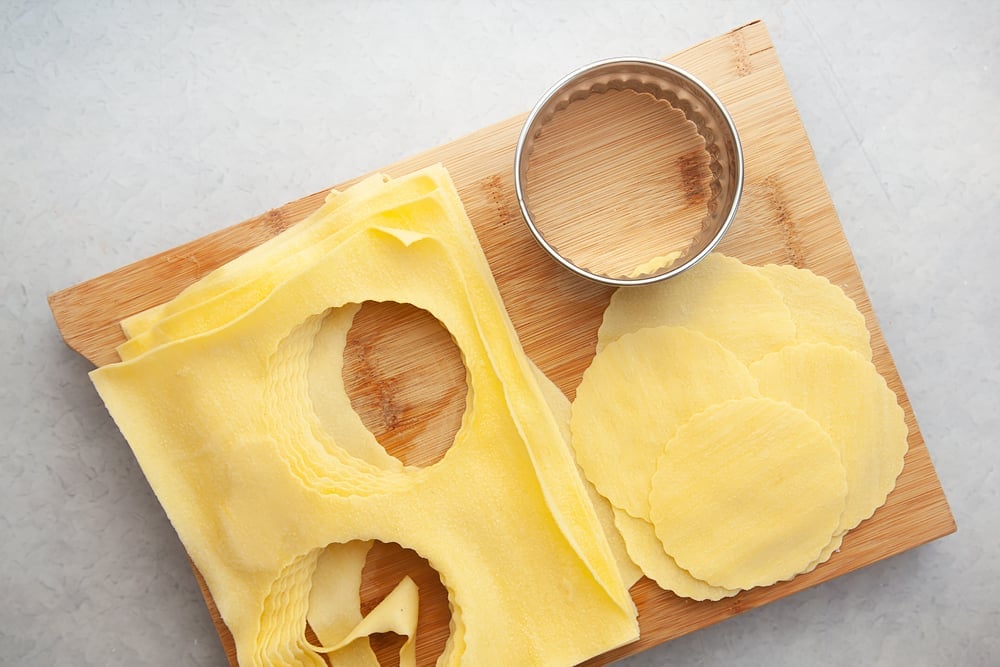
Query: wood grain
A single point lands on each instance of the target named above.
(786, 216)
(609, 167)
(404, 375)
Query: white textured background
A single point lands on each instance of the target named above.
(127, 128)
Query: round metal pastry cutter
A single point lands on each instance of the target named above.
(628, 171)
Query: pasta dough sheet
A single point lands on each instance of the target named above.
(214, 401)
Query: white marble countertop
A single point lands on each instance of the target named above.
(128, 128)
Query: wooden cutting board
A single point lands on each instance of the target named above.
(786, 217)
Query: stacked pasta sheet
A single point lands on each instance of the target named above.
(277, 507)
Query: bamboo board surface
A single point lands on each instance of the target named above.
(786, 217)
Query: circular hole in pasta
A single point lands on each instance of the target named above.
(350, 582)
(406, 380)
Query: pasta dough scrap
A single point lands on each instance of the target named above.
(397, 613)
(635, 394)
(844, 392)
(821, 311)
(657, 264)
(217, 413)
(747, 493)
(720, 297)
(335, 601)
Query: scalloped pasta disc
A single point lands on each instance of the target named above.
(647, 551)
(826, 553)
(844, 393)
(721, 298)
(821, 311)
(747, 493)
(759, 313)
(635, 394)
